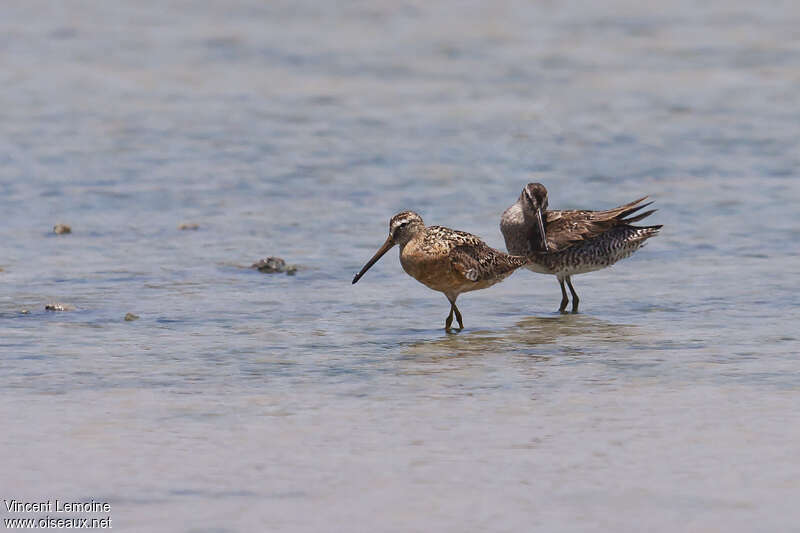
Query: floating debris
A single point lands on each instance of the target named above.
(130, 317)
(59, 307)
(59, 229)
(188, 226)
(274, 265)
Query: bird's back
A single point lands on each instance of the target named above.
(470, 251)
(456, 261)
(569, 228)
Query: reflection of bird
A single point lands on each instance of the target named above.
(565, 243)
(445, 260)
(533, 339)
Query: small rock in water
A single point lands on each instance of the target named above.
(58, 229)
(130, 317)
(59, 307)
(272, 265)
(188, 226)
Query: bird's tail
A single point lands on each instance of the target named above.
(645, 232)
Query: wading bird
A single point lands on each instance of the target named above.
(565, 243)
(444, 260)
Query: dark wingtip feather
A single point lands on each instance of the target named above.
(632, 210)
(638, 201)
(640, 216)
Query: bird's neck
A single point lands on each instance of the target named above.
(416, 237)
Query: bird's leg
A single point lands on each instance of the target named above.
(453, 309)
(458, 316)
(564, 299)
(575, 299)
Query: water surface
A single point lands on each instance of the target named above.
(241, 401)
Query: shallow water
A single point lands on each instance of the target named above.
(241, 401)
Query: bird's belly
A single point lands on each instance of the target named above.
(436, 272)
(433, 272)
(563, 269)
(571, 270)
(539, 268)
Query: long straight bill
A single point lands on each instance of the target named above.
(383, 249)
(541, 228)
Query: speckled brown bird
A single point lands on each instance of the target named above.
(445, 260)
(565, 243)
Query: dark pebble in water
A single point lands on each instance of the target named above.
(188, 226)
(273, 265)
(58, 229)
(130, 317)
(59, 307)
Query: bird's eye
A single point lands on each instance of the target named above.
(404, 223)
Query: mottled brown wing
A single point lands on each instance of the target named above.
(442, 238)
(567, 228)
(465, 251)
(478, 261)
